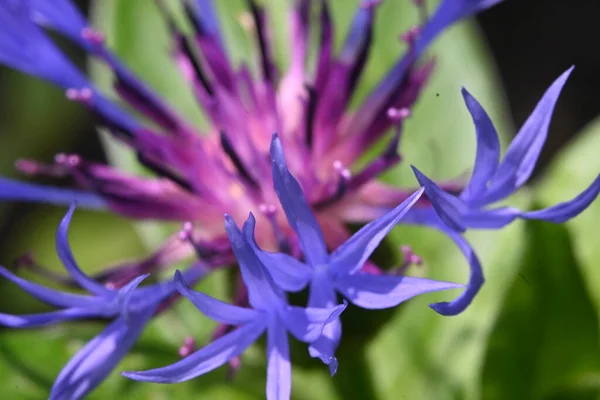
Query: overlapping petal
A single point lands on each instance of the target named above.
(297, 210)
(351, 256)
(208, 358)
(92, 364)
(287, 272)
(213, 308)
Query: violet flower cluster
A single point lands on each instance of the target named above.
(295, 207)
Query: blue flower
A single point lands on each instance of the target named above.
(339, 271)
(270, 312)
(130, 307)
(493, 180)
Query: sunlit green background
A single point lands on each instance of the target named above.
(532, 332)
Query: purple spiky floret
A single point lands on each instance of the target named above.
(226, 170)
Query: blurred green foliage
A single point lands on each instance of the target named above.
(532, 332)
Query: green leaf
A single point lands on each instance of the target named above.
(545, 343)
(571, 171)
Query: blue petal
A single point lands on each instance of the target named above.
(523, 152)
(60, 15)
(322, 294)
(428, 217)
(288, 273)
(65, 255)
(157, 293)
(358, 35)
(125, 295)
(449, 208)
(296, 208)
(206, 359)
(495, 218)
(43, 319)
(279, 368)
(488, 150)
(24, 46)
(213, 308)
(351, 255)
(565, 211)
(385, 291)
(51, 296)
(207, 19)
(459, 304)
(262, 291)
(92, 364)
(306, 324)
(22, 191)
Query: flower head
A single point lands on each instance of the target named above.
(493, 180)
(226, 170)
(339, 271)
(269, 312)
(130, 307)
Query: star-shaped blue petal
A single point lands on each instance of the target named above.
(269, 312)
(339, 271)
(493, 180)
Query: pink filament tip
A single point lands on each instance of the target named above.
(83, 95)
(410, 258)
(189, 344)
(411, 35)
(186, 231)
(398, 114)
(27, 167)
(341, 170)
(92, 36)
(268, 210)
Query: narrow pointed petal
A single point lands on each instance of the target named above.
(208, 358)
(385, 291)
(524, 151)
(66, 256)
(322, 295)
(428, 217)
(565, 211)
(24, 46)
(44, 319)
(351, 255)
(92, 364)
(125, 294)
(306, 324)
(288, 273)
(213, 308)
(449, 208)
(356, 47)
(297, 210)
(50, 296)
(22, 191)
(279, 367)
(488, 149)
(263, 294)
(161, 291)
(60, 15)
(476, 280)
(496, 218)
(207, 18)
